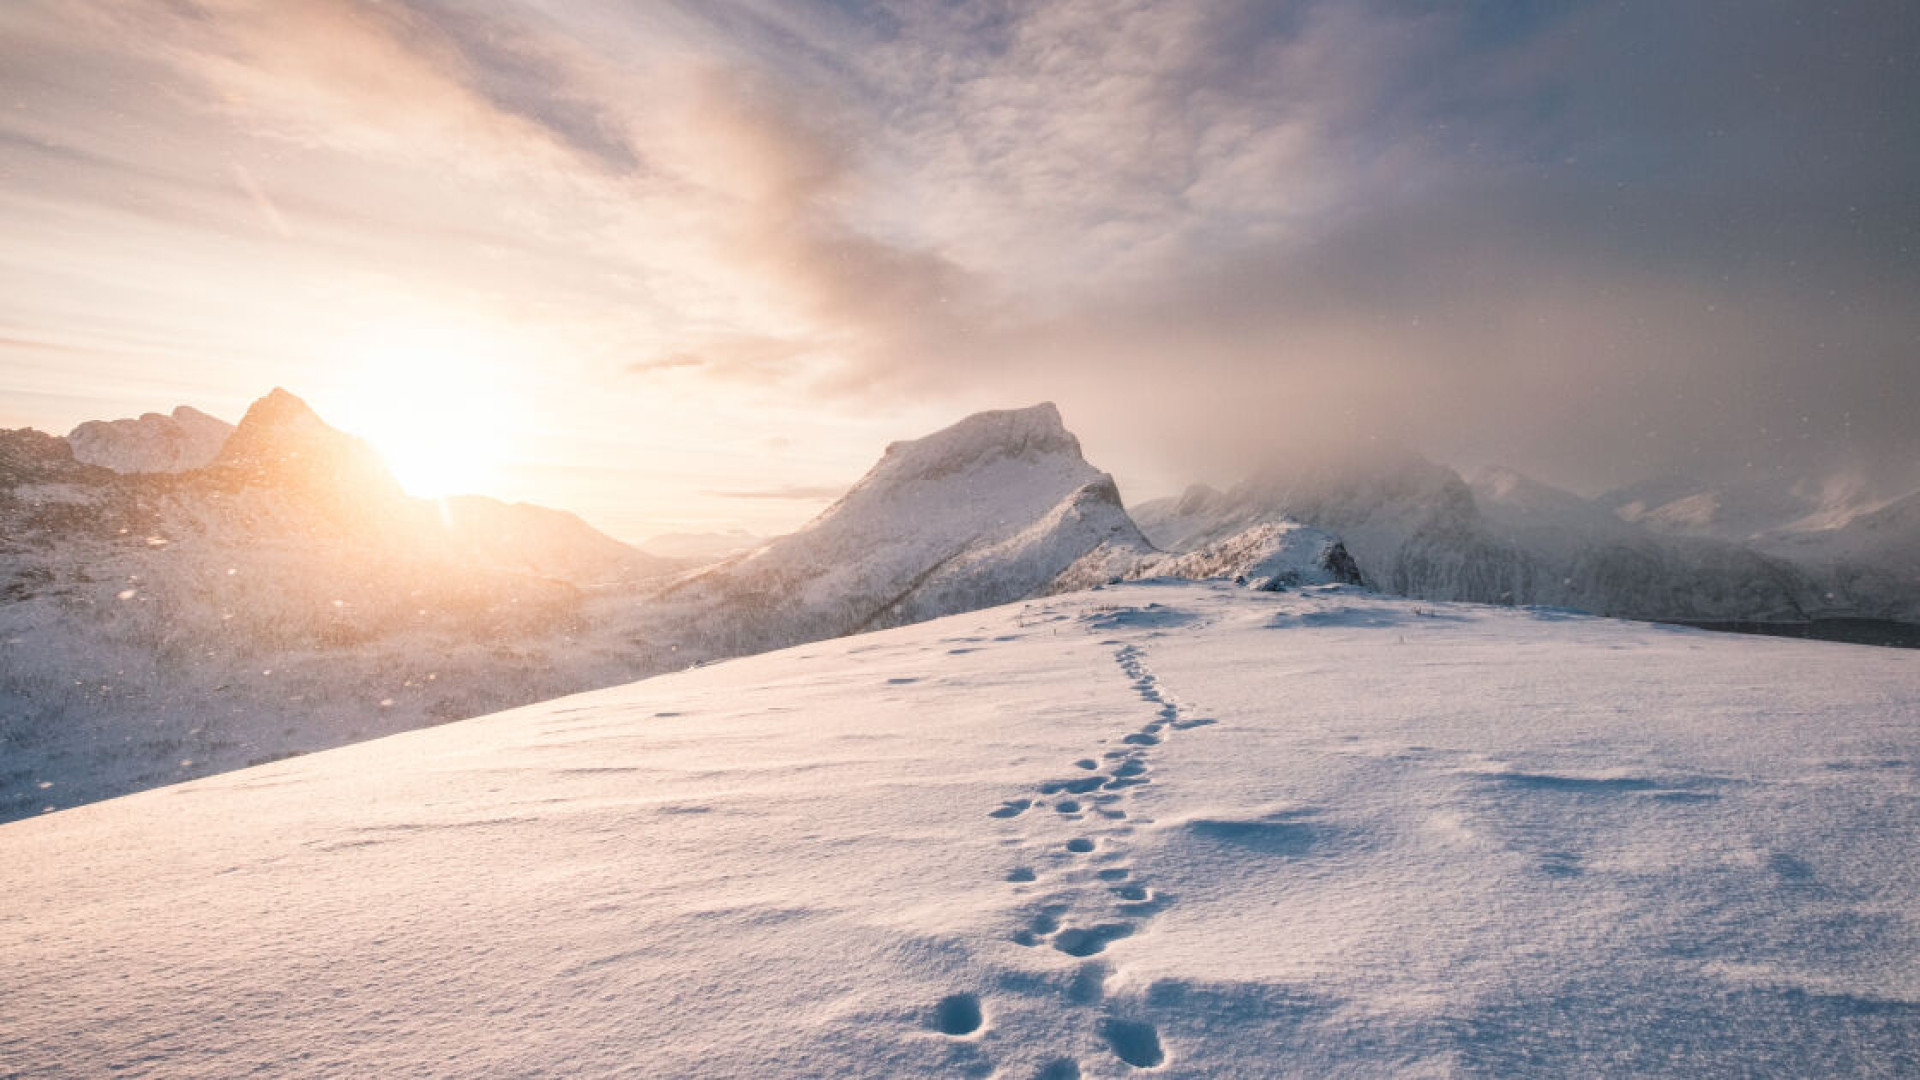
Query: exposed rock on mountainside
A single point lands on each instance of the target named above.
(188, 439)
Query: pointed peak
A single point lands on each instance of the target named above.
(278, 406)
(282, 437)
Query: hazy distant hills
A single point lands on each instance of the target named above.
(175, 607)
(1418, 528)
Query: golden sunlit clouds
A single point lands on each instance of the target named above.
(434, 401)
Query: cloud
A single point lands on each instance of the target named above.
(803, 492)
(1597, 241)
(734, 356)
(1590, 240)
(398, 77)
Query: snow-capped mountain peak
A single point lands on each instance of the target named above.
(988, 510)
(1030, 434)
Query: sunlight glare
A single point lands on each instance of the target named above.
(433, 401)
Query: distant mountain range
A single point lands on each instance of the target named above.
(1661, 551)
(178, 597)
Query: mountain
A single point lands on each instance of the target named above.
(1869, 566)
(1417, 528)
(285, 597)
(1155, 830)
(156, 442)
(990, 510)
(1410, 524)
(288, 596)
(1741, 510)
(1268, 557)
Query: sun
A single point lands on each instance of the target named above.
(434, 402)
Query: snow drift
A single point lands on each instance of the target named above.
(1183, 831)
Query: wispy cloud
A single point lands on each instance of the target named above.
(1591, 239)
(798, 492)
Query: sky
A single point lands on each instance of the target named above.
(691, 265)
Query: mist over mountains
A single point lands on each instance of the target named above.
(181, 597)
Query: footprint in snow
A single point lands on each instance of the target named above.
(1077, 786)
(1011, 808)
(1088, 940)
(958, 1015)
(1135, 1042)
(1038, 928)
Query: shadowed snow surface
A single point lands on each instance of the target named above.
(1183, 828)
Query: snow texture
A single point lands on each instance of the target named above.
(1194, 829)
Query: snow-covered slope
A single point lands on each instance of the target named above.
(1269, 557)
(1198, 830)
(156, 442)
(987, 511)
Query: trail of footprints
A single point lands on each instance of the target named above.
(1086, 895)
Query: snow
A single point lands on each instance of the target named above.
(1193, 828)
(986, 511)
(1273, 556)
(291, 597)
(1417, 528)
